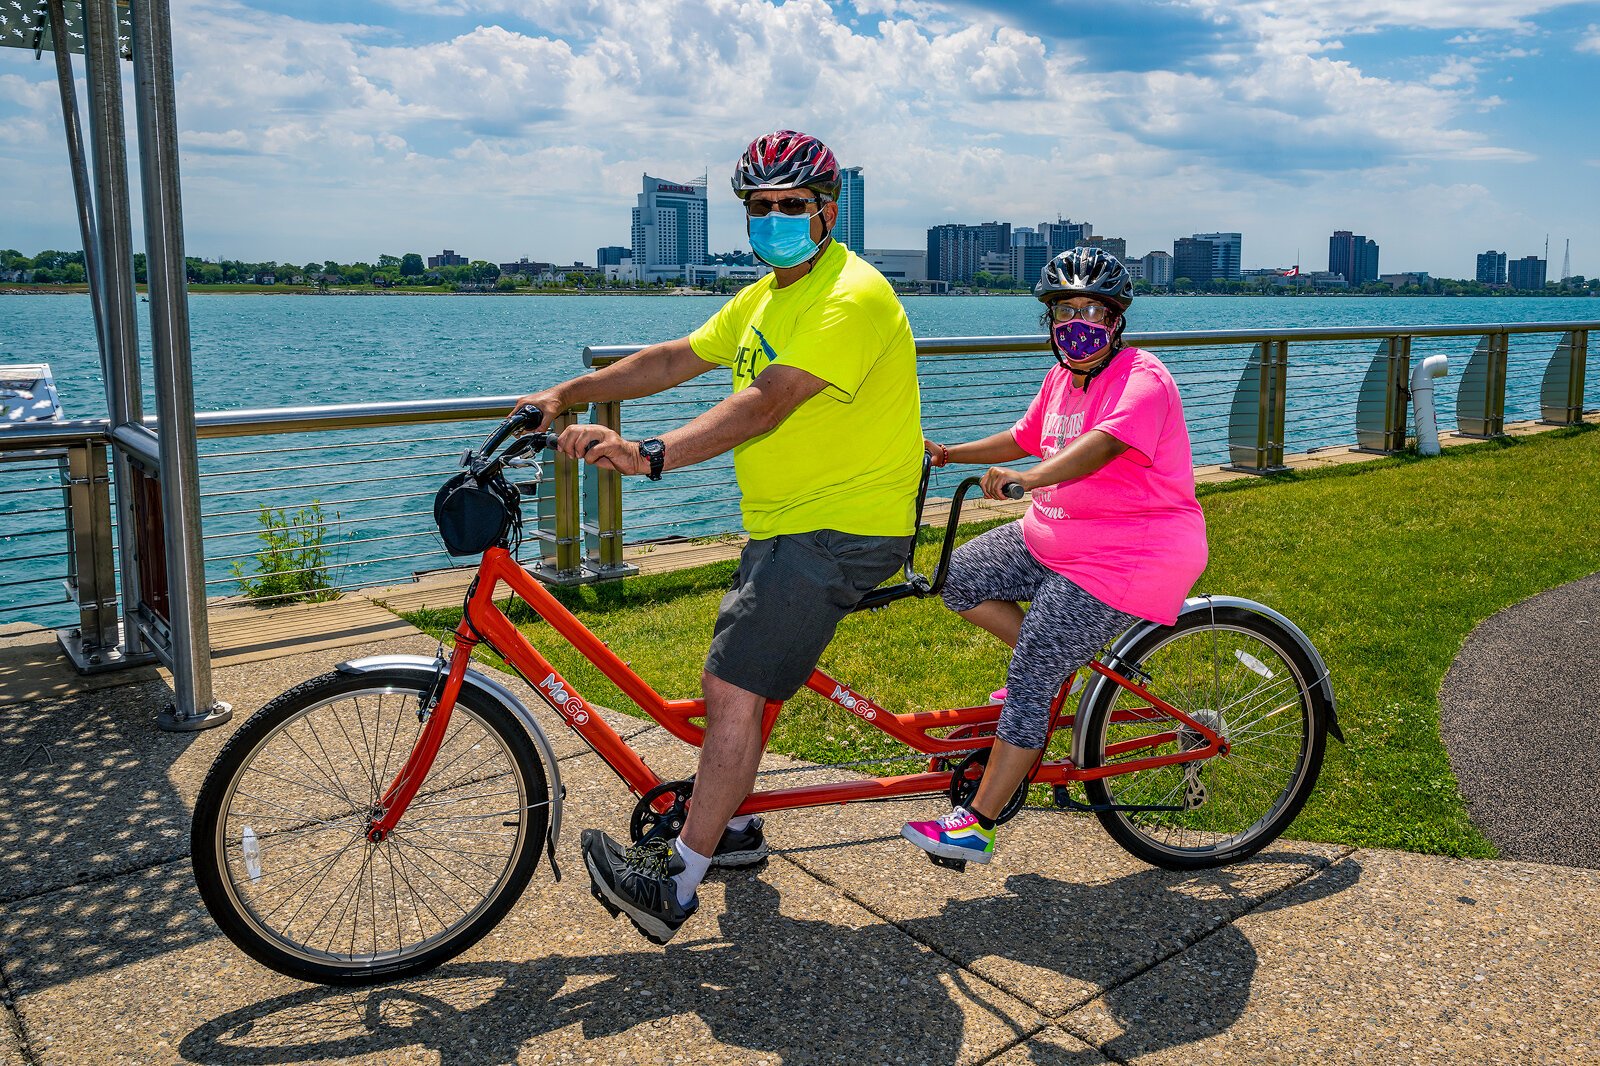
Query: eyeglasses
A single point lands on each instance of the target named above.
(789, 205)
(1061, 311)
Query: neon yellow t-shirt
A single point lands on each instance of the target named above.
(849, 458)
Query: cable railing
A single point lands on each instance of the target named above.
(322, 500)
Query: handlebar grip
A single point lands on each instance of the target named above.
(1014, 490)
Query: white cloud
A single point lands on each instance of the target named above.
(1590, 41)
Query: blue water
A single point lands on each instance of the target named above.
(266, 351)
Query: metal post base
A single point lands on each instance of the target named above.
(170, 721)
(89, 658)
(611, 572)
(551, 576)
(1255, 469)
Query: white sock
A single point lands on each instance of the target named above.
(695, 866)
(740, 821)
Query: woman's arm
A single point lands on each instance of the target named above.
(1000, 448)
(1081, 458)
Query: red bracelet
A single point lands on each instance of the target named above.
(944, 455)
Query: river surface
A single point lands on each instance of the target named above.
(375, 486)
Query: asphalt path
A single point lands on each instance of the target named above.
(1520, 716)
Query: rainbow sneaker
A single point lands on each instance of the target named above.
(955, 836)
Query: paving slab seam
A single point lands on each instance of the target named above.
(19, 1031)
(1062, 1019)
(1019, 1041)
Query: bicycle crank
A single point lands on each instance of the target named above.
(660, 813)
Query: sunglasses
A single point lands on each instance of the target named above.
(789, 205)
(1097, 313)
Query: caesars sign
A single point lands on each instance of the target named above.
(687, 190)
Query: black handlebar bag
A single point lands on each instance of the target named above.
(474, 517)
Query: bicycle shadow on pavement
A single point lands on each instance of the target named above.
(795, 989)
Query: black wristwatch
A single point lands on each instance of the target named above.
(656, 452)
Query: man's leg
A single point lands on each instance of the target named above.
(728, 760)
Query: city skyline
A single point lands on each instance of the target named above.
(488, 123)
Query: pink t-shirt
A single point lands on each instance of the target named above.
(1131, 534)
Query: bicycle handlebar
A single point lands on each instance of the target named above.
(1014, 490)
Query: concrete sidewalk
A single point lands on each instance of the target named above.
(846, 947)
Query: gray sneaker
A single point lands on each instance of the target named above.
(637, 881)
(741, 847)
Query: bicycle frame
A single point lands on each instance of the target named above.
(484, 622)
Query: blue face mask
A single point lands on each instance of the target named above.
(782, 240)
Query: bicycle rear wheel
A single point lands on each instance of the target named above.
(279, 840)
(1243, 676)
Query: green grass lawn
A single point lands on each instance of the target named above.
(1386, 565)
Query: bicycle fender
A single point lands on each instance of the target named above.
(1204, 605)
(425, 669)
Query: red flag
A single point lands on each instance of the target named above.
(1292, 272)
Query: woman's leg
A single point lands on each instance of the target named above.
(988, 575)
(1063, 629)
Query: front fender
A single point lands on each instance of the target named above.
(1204, 605)
(426, 669)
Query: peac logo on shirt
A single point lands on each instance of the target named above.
(751, 359)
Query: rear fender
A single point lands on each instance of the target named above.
(426, 669)
(1204, 605)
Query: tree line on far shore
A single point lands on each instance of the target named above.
(53, 267)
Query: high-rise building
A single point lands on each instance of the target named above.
(1117, 246)
(1063, 234)
(1225, 254)
(1192, 259)
(1353, 256)
(446, 258)
(851, 230)
(669, 228)
(1526, 273)
(1492, 267)
(995, 236)
(954, 252)
(611, 255)
(1158, 269)
(1029, 254)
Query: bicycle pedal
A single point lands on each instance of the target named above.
(958, 865)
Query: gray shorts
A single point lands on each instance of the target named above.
(787, 599)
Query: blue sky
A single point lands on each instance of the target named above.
(503, 128)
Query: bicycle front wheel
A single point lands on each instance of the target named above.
(1243, 676)
(279, 840)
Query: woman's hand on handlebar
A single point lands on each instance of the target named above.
(996, 480)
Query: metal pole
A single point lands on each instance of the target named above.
(113, 278)
(80, 172)
(156, 109)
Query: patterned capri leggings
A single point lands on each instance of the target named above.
(1063, 629)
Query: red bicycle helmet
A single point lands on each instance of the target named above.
(786, 159)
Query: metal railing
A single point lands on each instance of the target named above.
(1250, 397)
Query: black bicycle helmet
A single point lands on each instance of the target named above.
(786, 159)
(1092, 272)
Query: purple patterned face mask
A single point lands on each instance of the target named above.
(1081, 341)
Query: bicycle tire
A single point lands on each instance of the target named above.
(299, 779)
(1227, 667)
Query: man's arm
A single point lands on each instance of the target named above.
(748, 413)
(644, 373)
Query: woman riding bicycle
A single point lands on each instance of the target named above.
(1114, 532)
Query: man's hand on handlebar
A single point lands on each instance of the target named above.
(997, 480)
(548, 404)
(602, 447)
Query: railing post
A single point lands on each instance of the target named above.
(1256, 421)
(94, 644)
(561, 541)
(1381, 404)
(1481, 401)
(1561, 394)
(602, 504)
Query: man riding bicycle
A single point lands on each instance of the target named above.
(824, 423)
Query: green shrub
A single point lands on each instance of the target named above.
(295, 561)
